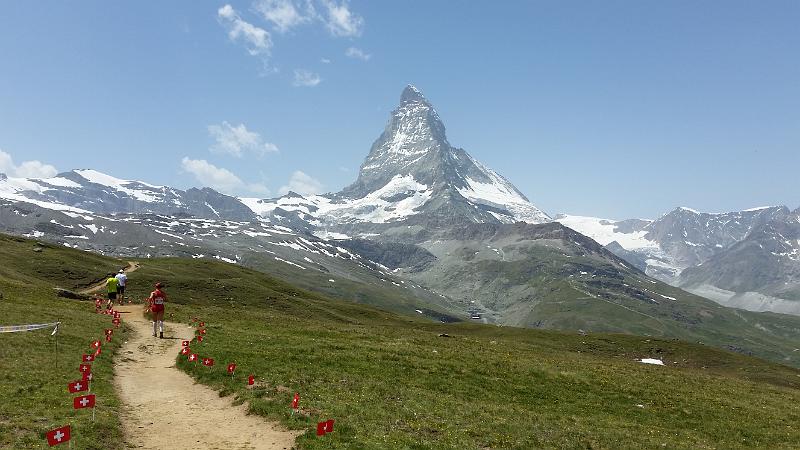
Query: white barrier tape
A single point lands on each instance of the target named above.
(29, 327)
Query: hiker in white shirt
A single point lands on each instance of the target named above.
(122, 281)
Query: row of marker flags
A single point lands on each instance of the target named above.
(323, 428)
(64, 434)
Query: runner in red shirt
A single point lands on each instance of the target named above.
(157, 299)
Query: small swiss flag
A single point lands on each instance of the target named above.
(96, 344)
(251, 380)
(87, 358)
(321, 428)
(203, 331)
(208, 362)
(231, 368)
(329, 426)
(199, 338)
(84, 401)
(201, 324)
(296, 401)
(58, 436)
(193, 357)
(116, 314)
(78, 386)
(184, 343)
(185, 351)
(115, 322)
(85, 368)
(108, 338)
(109, 331)
(87, 376)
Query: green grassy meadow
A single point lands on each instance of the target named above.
(33, 377)
(392, 381)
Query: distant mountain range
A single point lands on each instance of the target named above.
(426, 229)
(749, 259)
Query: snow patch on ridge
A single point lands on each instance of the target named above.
(100, 178)
(605, 231)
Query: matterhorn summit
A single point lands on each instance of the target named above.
(413, 175)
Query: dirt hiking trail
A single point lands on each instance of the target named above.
(132, 266)
(163, 408)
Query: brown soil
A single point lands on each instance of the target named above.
(163, 408)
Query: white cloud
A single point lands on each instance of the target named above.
(235, 140)
(325, 61)
(357, 53)
(257, 40)
(212, 176)
(340, 21)
(301, 183)
(28, 169)
(284, 14)
(307, 78)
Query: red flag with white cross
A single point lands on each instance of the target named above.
(108, 338)
(329, 426)
(84, 401)
(96, 344)
(185, 351)
(87, 376)
(184, 343)
(208, 362)
(201, 324)
(58, 436)
(231, 368)
(296, 401)
(251, 380)
(85, 368)
(87, 358)
(109, 331)
(116, 322)
(199, 338)
(193, 357)
(78, 386)
(321, 428)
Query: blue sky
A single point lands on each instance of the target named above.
(615, 109)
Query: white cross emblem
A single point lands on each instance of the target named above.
(58, 436)
(84, 368)
(89, 377)
(78, 386)
(84, 401)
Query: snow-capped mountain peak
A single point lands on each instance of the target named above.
(414, 146)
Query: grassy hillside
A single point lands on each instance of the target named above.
(555, 284)
(393, 381)
(33, 376)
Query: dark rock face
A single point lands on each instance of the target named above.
(767, 260)
(392, 255)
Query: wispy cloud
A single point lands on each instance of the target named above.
(257, 40)
(325, 61)
(301, 183)
(306, 78)
(340, 20)
(220, 179)
(357, 53)
(236, 140)
(285, 14)
(27, 169)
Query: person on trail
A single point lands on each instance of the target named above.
(122, 281)
(111, 287)
(157, 299)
